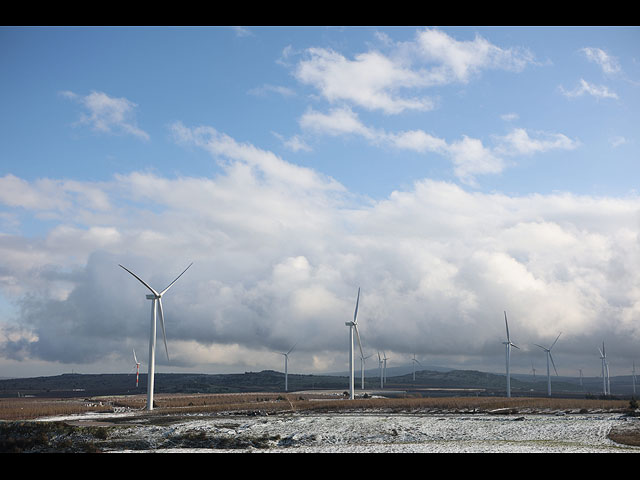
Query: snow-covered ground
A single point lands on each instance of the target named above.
(381, 432)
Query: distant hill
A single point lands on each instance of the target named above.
(74, 385)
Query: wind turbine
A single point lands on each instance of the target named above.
(508, 344)
(380, 369)
(156, 307)
(362, 361)
(581, 384)
(286, 361)
(533, 370)
(384, 368)
(136, 367)
(605, 370)
(414, 361)
(549, 357)
(353, 326)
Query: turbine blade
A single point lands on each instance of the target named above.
(169, 286)
(506, 324)
(355, 313)
(552, 363)
(359, 343)
(140, 280)
(555, 341)
(291, 349)
(134, 356)
(514, 345)
(164, 335)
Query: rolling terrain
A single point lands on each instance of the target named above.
(427, 383)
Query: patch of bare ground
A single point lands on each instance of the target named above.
(271, 403)
(628, 434)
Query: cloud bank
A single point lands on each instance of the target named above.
(280, 250)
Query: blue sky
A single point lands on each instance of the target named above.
(452, 173)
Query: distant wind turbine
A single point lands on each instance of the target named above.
(533, 370)
(156, 308)
(362, 362)
(508, 344)
(353, 327)
(605, 370)
(549, 357)
(415, 361)
(581, 384)
(286, 373)
(384, 368)
(380, 369)
(136, 367)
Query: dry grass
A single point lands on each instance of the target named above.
(30, 408)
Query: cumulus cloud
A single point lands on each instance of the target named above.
(385, 81)
(470, 157)
(279, 252)
(107, 114)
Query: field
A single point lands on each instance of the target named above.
(324, 422)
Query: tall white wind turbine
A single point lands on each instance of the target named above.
(415, 361)
(353, 327)
(549, 357)
(605, 370)
(380, 369)
(156, 308)
(508, 344)
(286, 367)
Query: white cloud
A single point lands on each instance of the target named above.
(265, 89)
(608, 63)
(472, 158)
(460, 60)
(339, 121)
(108, 114)
(519, 142)
(586, 88)
(617, 141)
(369, 81)
(280, 251)
(383, 81)
(469, 156)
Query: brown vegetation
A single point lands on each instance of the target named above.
(12, 409)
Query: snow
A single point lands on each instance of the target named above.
(391, 433)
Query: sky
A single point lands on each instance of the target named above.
(453, 174)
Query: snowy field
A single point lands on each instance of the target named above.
(378, 433)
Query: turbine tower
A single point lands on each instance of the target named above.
(286, 373)
(605, 370)
(156, 308)
(353, 326)
(384, 366)
(380, 369)
(549, 357)
(362, 361)
(414, 361)
(508, 344)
